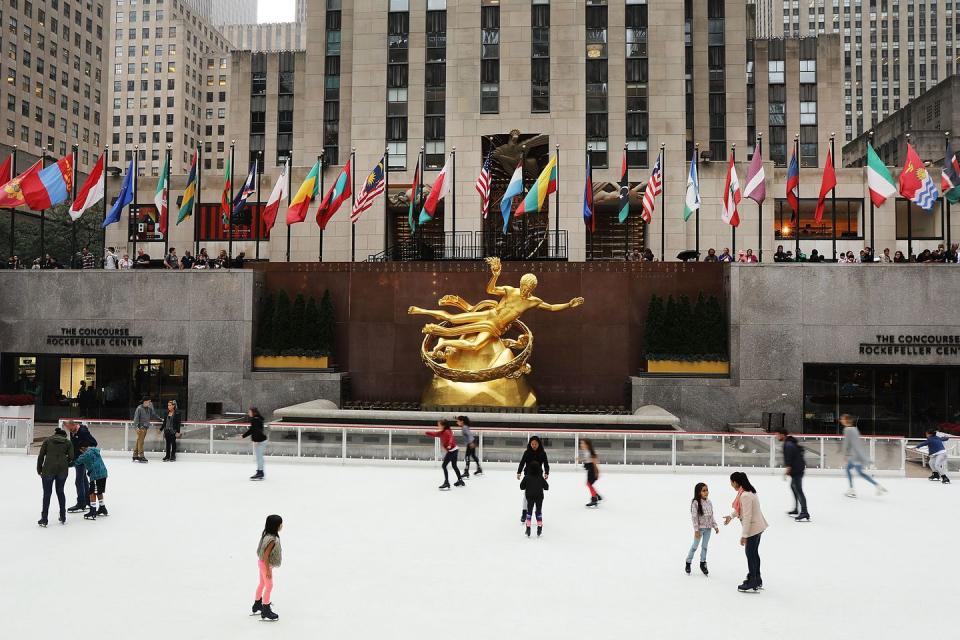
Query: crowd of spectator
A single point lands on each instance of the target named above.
(111, 260)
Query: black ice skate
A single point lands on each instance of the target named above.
(444, 487)
(748, 587)
(460, 483)
(256, 608)
(90, 515)
(539, 530)
(944, 479)
(77, 508)
(102, 511)
(593, 502)
(803, 517)
(266, 613)
(934, 476)
(479, 472)
(523, 517)
(686, 568)
(63, 519)
(703, 568)
(257, 476)
(793, 512)
(528, 531)
(466, 474)
(42, 522)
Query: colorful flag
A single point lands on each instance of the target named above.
(190, 192)
(515, 188)
(950, 177)
(11, 193)
(756, 188)
(793, 186)
(731, 196)
(416, 190)
(692, 200)
(49, 187)
(162, 197)
(297, 210)
(372, 187)
(916, 184)
(247, 189)
(483, 184)
(90, 193)
(225, 195)
(440, 188)
(589, 219)
(269, 215)
(124, 198)
(6, 170)
(544, 185)
(340, 192)
(624, 203)
(654, 186)
(879, 180)
(828, 183)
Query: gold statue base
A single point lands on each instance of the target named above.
(502, 392)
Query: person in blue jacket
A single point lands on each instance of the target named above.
(938, 455)
(91, 460)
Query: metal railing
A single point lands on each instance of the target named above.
(667, 450)
(537, 244)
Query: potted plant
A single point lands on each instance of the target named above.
(296, 335)
(685, 339)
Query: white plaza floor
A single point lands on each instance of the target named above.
(379, 552)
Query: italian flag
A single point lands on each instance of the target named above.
(161, 198)
(879, 179)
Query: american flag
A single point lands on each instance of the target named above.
(652, 191)
(372, 187)
(483, 184)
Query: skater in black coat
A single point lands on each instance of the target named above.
(535, 469)
(795, 466)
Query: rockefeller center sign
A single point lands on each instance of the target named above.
(94, 337)
(912, 345)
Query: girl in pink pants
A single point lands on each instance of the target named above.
(269, 555)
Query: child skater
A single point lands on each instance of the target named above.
(449, 444)
(701, 512)
(90, 459)
(471, 443)
(589, 458)
(938, 455)
(536, 469)
(269, 556)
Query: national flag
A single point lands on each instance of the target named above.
(514, 188)
(6, 170)
(416, 190)
(544, 185)
(162, 197)
(124, 198)
(731, 196)
(879, 180)
(225, 195)
(950, 177)
(793, 186)
(372, 187)
(11, 193)
(915, 182)
(589, 219)
(654, 187)
(297, 210)
(756, 188)
(692, 199)
(90, 193)
(624, 203)
(483, 184)
(247, 189)
(190, 192)
(341, 191)
(50, 186)
(440, 188)
(826, 185)
(269, 215)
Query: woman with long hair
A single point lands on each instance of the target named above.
(269, 556)
(590, 462)
(259, 437)
(171, 431)
(535, 469)
(449, 444)
(746, 507)
(701, 512)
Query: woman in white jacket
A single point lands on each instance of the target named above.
(746, 507)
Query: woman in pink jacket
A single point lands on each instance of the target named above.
(746, 507)
(449, 444)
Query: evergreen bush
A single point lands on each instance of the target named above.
(677, 330)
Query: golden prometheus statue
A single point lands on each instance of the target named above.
(470, 353)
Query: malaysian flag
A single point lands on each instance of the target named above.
(483, 184)
(653, 189)
(372, 187)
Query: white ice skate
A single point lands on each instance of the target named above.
(851, 493)
(881, 489)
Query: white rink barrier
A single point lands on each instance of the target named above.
(15, 432)
(666, 449)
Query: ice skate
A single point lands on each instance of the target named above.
(934, 476)
(748, 587)
(881, 490)
(63, 520)
(528, 531)
(944, 479)
(686, 568)
(793, 513)
(593, 502)
(444, 487)
(479, 472)
(803, 517)
(102, 511)
(256, 608)
(257, 476)
(466, 474)
(77, 508)
(523, 517)
(851, 493)
(703, 568)
(460, 483)
(42, 522)
(90, 515)
(266, 613)
(539, 530)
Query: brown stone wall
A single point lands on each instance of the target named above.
(581, 356)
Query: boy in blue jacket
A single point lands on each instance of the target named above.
(91, 460)
(938, 455)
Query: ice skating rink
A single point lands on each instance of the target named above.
(378, 552)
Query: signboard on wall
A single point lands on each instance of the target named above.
(118, 337)
(144, 223)
(213, 225)
(916, 345)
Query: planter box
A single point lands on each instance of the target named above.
(290, 362)
(16, 433)
(692, 367)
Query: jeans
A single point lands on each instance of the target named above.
(171, 445)
(138, 447)
(451, 458)
(938, 463)
(703, 541)
(855, 466)
(82, 484)
(752, 549)
(796, 484)
(48, 484)
(259, 448)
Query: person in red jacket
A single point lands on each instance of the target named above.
(449, 444)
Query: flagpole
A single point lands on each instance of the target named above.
(289, 195)
(593, 213)
(418, 194)
(106, 198)
(945, 225)
(43, 212)
(663, 199)
(760, 205)
(556, 226)
(320, 192)
(796, 232)
(453, 197)
(73, 198)
(197, 209)
(909, 219)
(872, 236)
(696, 160)
(13, 218)
(833, 197)
(136, 206)
(230, 206)
(626, 230)
(523, 190)
(259, 203)
(353, 200)
(386, 202)
(733, 229)
(166, 198)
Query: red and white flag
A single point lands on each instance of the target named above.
(654, 187)
(279, 192)
(483, 184)
(6, 170)
(731, 196)
(91, 193)
(828, 183)
(437, 192)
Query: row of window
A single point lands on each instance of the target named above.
(331, 96)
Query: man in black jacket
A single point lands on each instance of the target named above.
(81, 438)
(795, 467)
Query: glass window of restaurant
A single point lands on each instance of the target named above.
(849, 212)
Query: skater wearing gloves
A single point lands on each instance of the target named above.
(588, 456)
(535, 469)
(746, 507)
(938, 455)
(91, 460)
(269, 556)
(141, 422)
(171, 431)
(795, 466)
(701, 512)
(80, 437)
(449, 444)
(259, 438)
(856, 455)
(53, 465)
(470, 442)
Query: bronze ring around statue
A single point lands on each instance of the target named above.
(513, 369)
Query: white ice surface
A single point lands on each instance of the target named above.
(378, 552)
